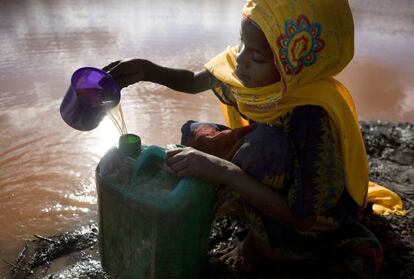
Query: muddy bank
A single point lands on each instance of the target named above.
(390, 148)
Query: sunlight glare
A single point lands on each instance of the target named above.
(107, 136)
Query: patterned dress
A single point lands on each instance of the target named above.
(298, 157)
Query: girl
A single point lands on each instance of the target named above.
(292, 162)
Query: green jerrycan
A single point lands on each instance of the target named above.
(155, 226)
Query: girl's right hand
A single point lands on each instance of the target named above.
(126, 72)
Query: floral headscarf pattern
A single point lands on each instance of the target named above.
(300, 44)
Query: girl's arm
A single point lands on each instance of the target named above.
(135, 70)
(266, 199)
(189, 162)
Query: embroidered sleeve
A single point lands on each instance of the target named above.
(318, 173)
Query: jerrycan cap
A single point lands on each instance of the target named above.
(130, 145)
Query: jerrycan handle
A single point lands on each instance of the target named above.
(152, 152)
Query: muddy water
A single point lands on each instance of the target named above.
(47, 169)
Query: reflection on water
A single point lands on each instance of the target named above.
(380, 76)
(387, 92)
(47, 169)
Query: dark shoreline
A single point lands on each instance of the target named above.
(390, 148)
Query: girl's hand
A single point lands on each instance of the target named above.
(126, 72)
(189, 162)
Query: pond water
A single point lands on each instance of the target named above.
(47, 169)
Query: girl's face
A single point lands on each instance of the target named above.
(255, 63)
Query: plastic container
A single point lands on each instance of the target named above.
(157, 226)
(91, 94)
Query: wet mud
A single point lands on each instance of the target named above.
(390, 148)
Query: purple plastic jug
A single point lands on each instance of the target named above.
(91, 94)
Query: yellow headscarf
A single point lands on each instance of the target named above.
(311, 42)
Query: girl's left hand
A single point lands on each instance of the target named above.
(190, 162)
